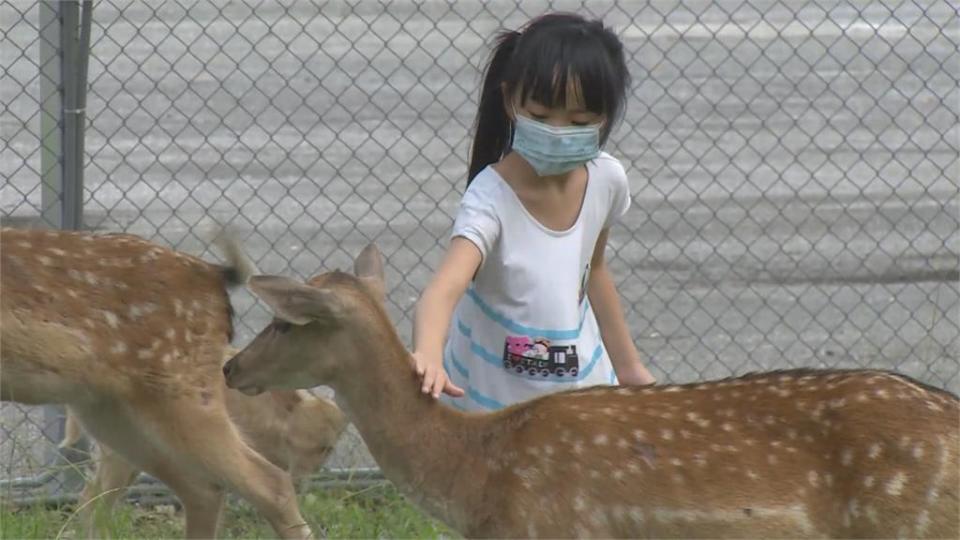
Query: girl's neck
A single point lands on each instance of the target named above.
(522, 177)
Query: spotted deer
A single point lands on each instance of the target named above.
(294, 429)
(131, 336)
(798, 454)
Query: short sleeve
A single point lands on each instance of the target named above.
(477, 219)
(619, 193)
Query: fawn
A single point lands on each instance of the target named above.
(293, 429)
(797, 454)
(131, 336)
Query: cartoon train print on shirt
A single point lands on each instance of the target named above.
(522, 354)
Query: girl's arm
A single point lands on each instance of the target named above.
(433, 313)
(613, 326)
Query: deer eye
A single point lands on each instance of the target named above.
(282, 327)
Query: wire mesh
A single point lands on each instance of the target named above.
(794, 165)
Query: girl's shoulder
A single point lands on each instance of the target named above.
(486, 187)
(609, 165)
(608, 170)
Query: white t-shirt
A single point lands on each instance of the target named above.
(525, 326)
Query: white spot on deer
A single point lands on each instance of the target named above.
(47, 261)
(846, 457)
(871, 513)
(772, 459)
(673, 389)
(932, 406)
(639, 435)
(601, 439)
(685, 434)
(862, 396)
(874, 451)
(923, 520)
(111, 318)
(118, 348)
(677, 478)
(813, 478)
(623, 444)
(166, 359)
(853, 507)
(676, 462)
(73, 293)
(828, 479)
(752, 475)
(868, 481)
(24, 244)
(577, 447)
(881, 393)
(726, 426)
(144, 354)
(918, 451)
(177, 307)
(904, 442)
(895, 485)
(579, 502)
(700, 459)
(666, 434)
(170, 334)
(837, 403)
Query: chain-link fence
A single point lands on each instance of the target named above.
(793, 164)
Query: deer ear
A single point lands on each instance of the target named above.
(368, 266)
(297, 302)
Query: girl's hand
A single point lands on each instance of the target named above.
(434, 378)
(637, 375)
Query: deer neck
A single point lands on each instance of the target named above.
(426, 449)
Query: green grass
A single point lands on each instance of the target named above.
(374, 512)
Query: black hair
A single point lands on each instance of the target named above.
(538, 61)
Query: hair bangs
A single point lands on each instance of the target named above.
(551, 68)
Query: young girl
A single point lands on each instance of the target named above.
(524, 291)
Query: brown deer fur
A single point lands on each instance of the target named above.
(131, 336)
(799, 454)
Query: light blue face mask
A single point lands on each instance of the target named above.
(555, 150)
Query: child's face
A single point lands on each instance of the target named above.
(573, 113)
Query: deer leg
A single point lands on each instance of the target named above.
(208, 444)
(112, 475)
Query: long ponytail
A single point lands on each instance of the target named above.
(493, 131)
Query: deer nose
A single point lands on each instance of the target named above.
(229, 368)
